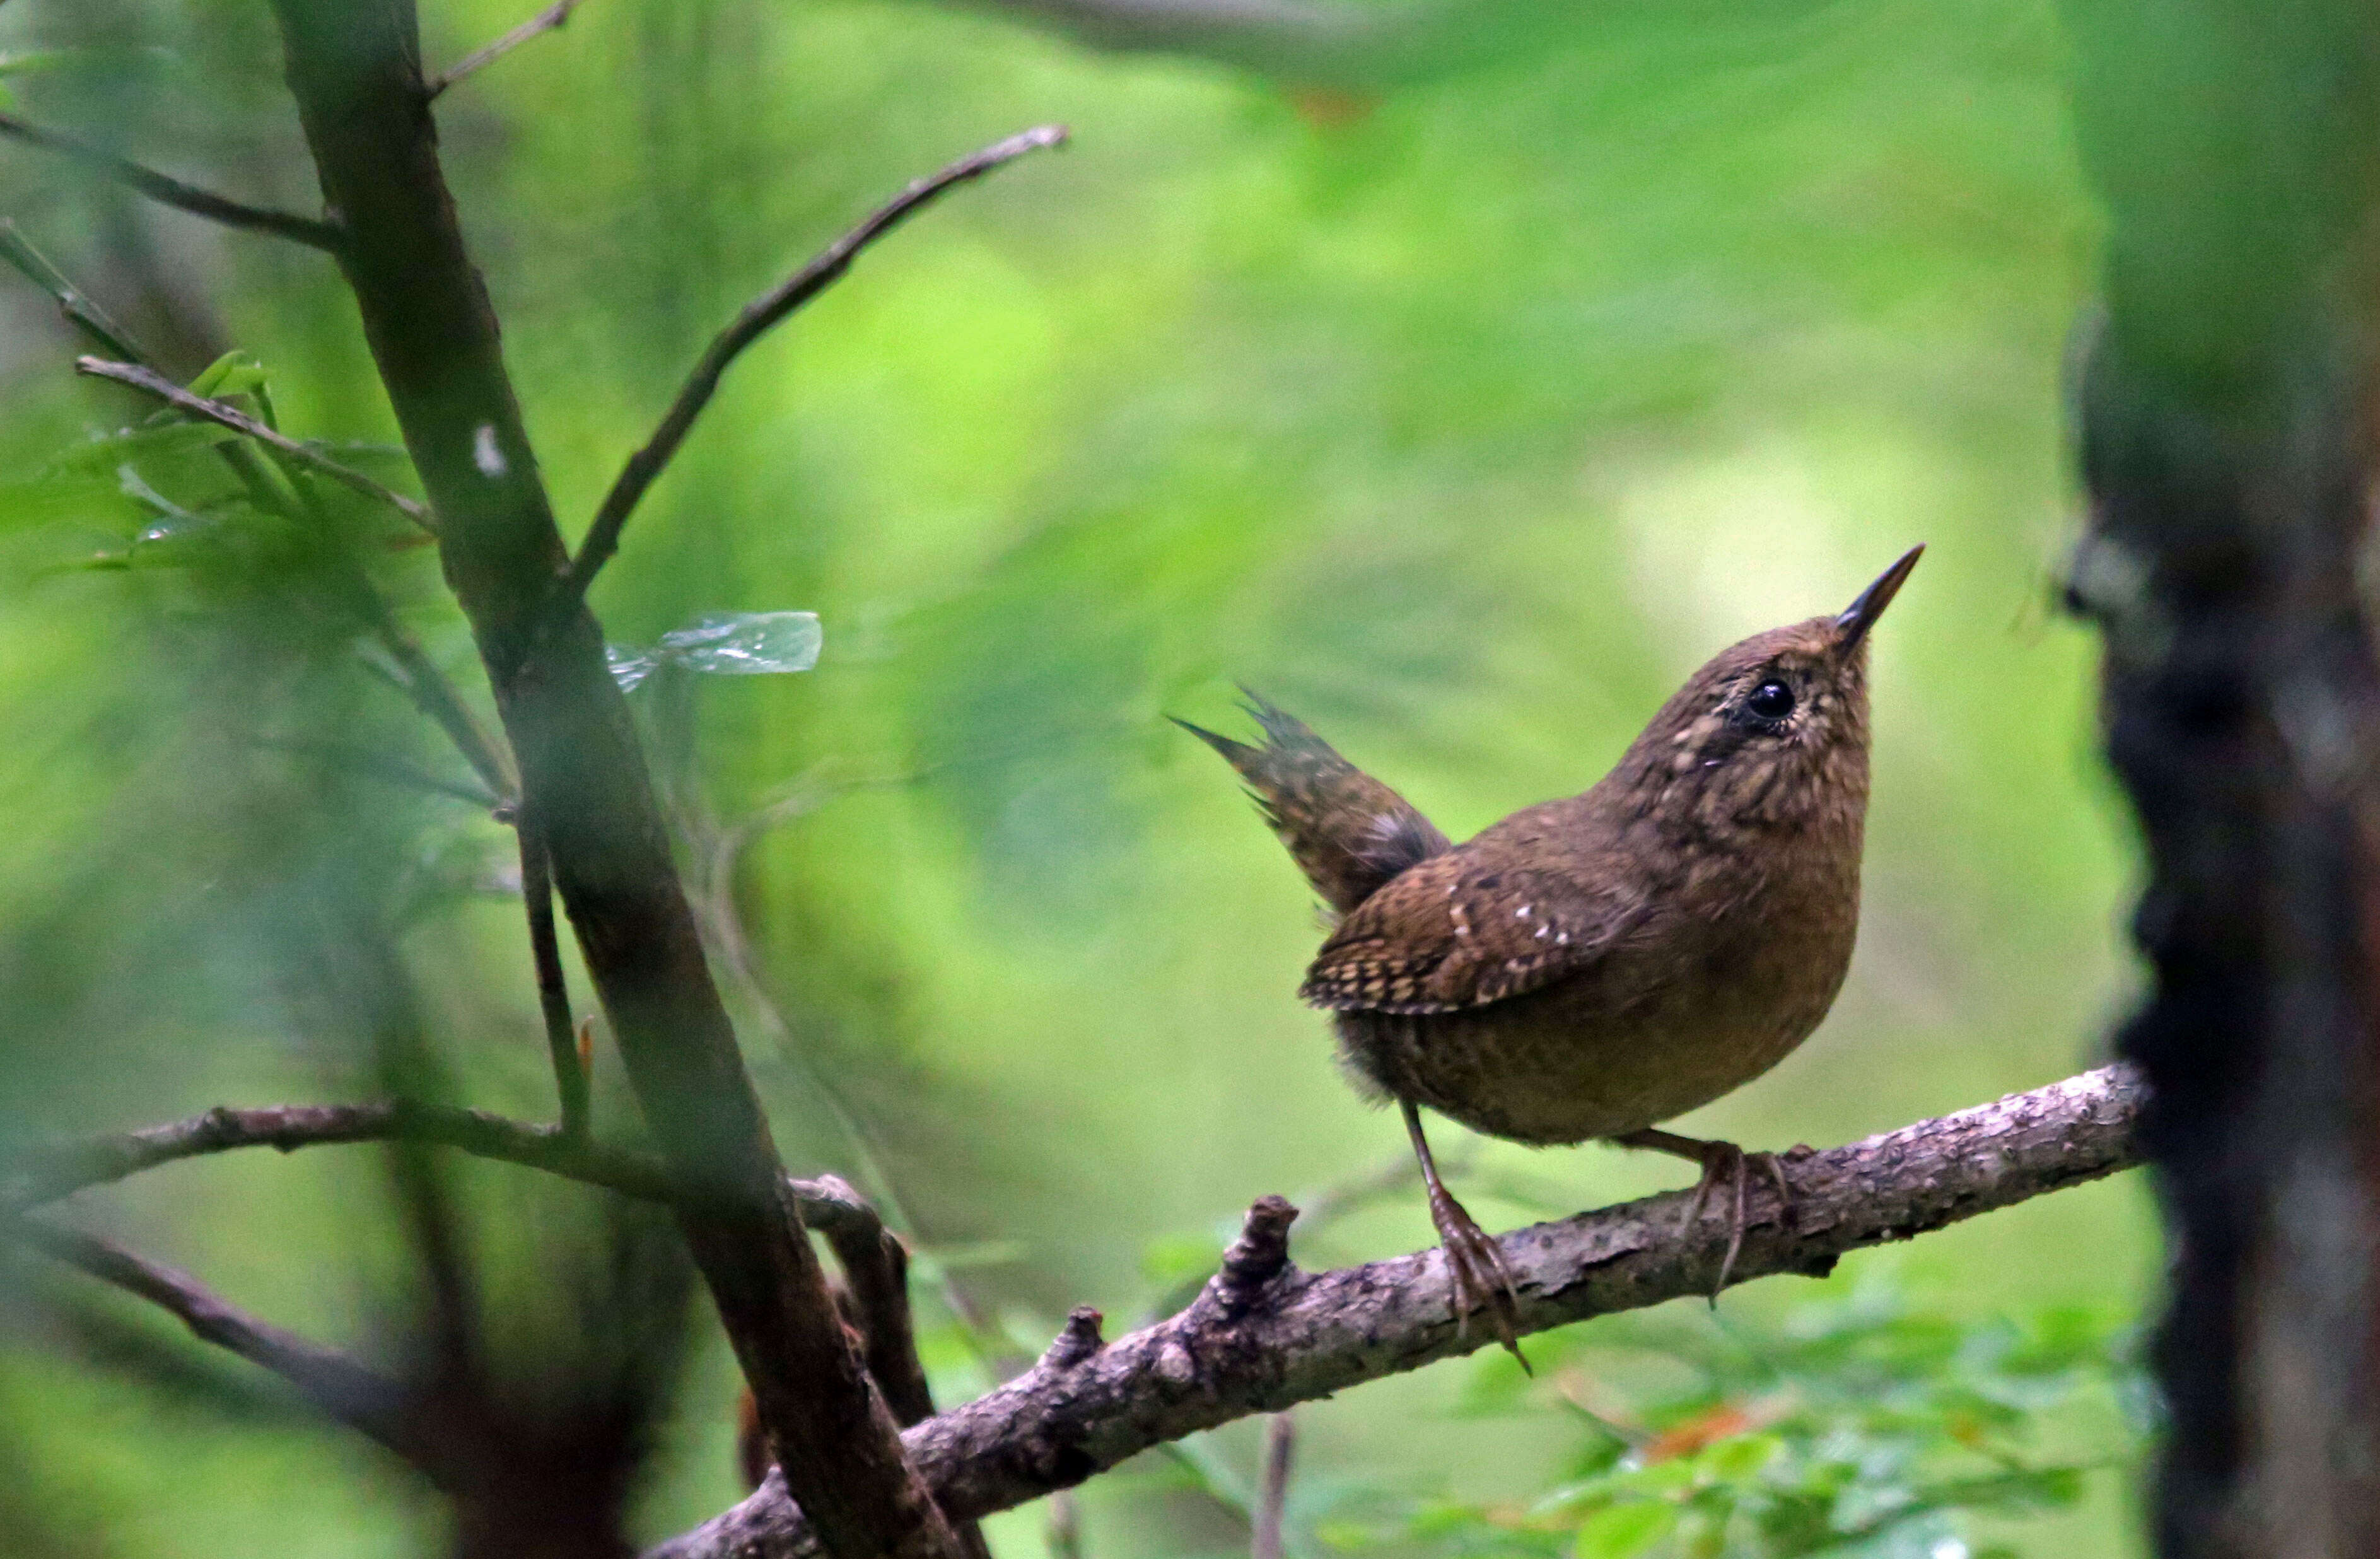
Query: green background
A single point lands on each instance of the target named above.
(1462, 413)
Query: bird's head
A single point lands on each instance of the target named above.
(1772, 731)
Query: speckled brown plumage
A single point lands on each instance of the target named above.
(1592, 966)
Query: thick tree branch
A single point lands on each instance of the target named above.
(174, 192)
(758, 317)
(334, 1384)
(1264, 1336)
(354, 67)
(149, 382)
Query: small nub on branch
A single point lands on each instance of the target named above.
(1257, 1258)
(1077, 1341)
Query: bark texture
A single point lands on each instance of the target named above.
(2225, 421)
(1264, 1336)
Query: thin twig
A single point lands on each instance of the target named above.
(386, 768)
(335, 1384)
(758, 317)
(553, 16)
(418, 677)
(174, 192)
(148, 381)
(76, 309)
(552, 993)
(1272, 1486)
(44, 1173)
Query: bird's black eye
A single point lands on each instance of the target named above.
(1771, 701)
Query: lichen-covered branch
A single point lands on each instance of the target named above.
(1264, 1336)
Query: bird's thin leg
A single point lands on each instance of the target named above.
(1720, 1162)
(1475, 1265)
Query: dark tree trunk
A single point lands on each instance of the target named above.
(2225, 420)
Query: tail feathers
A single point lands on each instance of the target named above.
(1347, 832)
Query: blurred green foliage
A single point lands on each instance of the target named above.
(1861, 1428)
(1464, 412)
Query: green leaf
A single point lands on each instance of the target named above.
(1625, 1530)
(233, 373)
(1733, 1460)
(108, 451)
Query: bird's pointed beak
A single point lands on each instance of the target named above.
(1861, 613)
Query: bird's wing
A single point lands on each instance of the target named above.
(1451, 934)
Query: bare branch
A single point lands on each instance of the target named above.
(553, 994)
(174, 192)
(545, 21)
(148, 381)
(332, 1384)
(1259, 1340)
(759, 316)
(78, 311)
(44, 1174)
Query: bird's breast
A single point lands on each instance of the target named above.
(1736, 963)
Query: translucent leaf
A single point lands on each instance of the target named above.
(1625, 1530)
(628, 666)
(746, 643)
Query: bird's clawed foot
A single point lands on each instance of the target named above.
(1723, 1163)
(1476, 1271)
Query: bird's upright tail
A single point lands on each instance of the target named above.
(1347, 832)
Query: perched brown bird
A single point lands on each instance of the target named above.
(1592, 966)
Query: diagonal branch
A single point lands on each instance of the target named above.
(149, 382)
(174, 192)
(479, 59)
(353, 67)
(336, 1386)
(570, 1077)
(1264, 1336)
(77, 309)
(759, 316)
